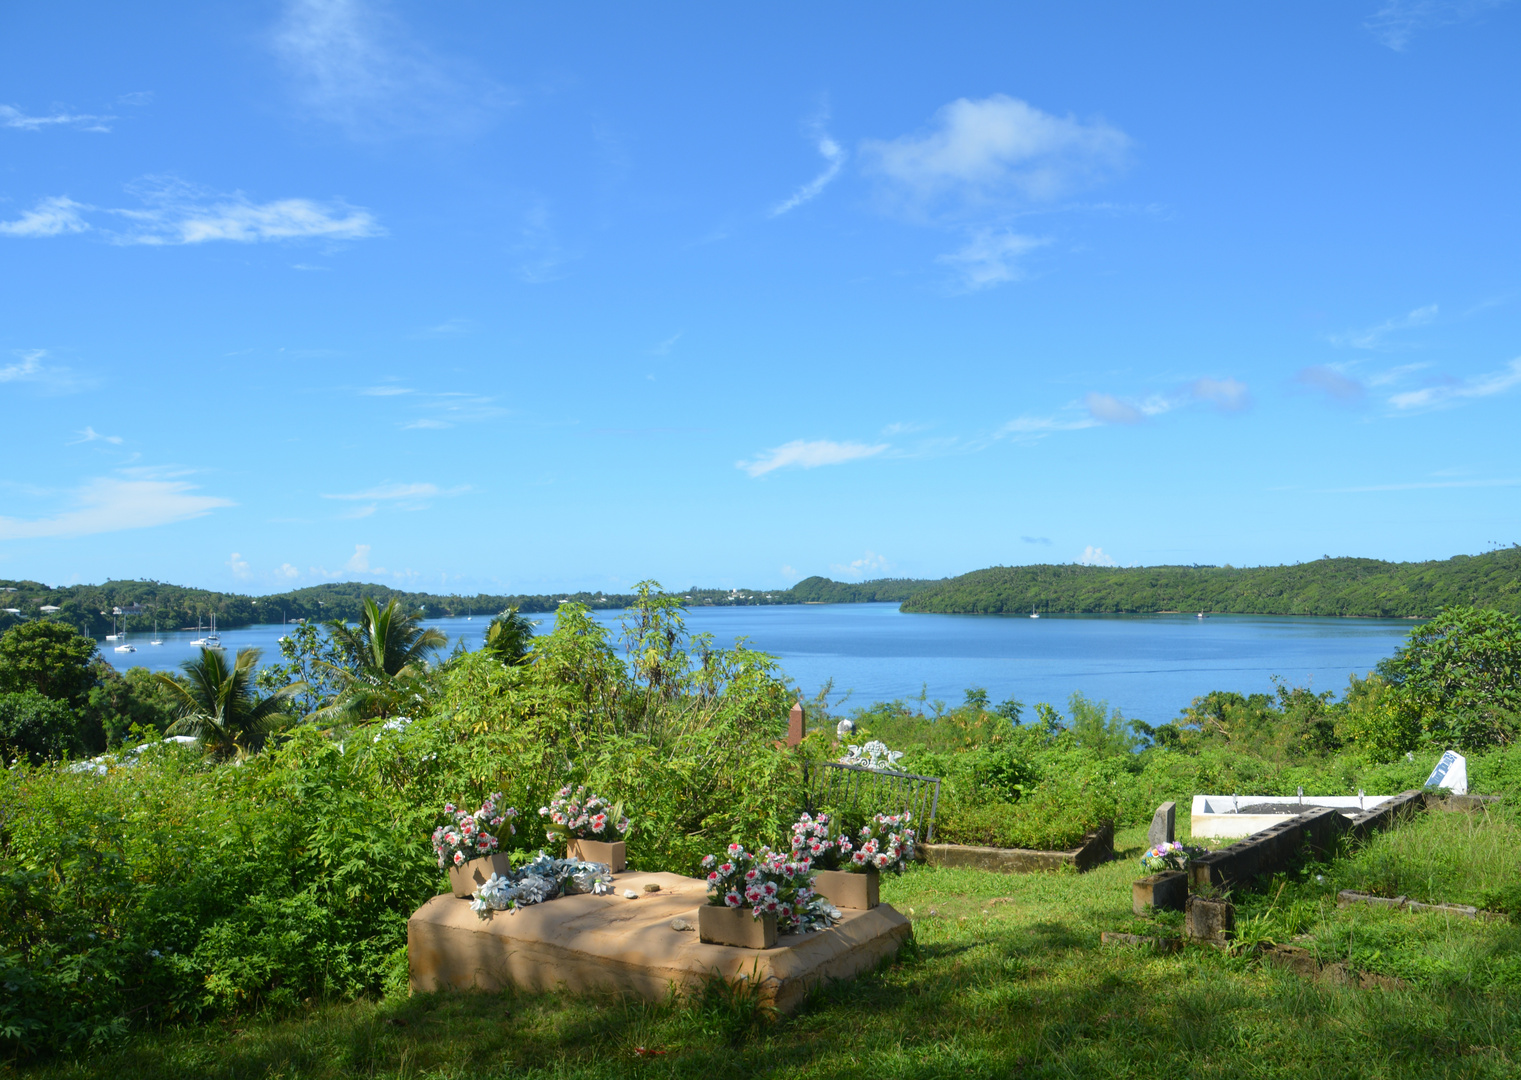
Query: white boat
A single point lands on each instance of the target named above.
(199, 637)
(1034, 614)
(113, 635)
(156, 639)
(127, 647)
(213, 640)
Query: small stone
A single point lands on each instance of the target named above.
(653, 886)
(681, 924)
(630, 894)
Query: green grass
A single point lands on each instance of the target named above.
(1453, 858)
(1006, 978)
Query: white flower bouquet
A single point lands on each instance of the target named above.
(466, 838)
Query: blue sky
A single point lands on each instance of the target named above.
(507, 297)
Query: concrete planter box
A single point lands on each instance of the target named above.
(612, 854)
(1097, 847)
(1210, 920)
(846, 890)
(735, 926)
(464, 880)
(1162, 892)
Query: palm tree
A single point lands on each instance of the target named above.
(510, 637)
(389, 653)
(221, 707)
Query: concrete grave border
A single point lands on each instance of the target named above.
(1097, 847)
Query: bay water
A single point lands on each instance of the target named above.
(1148, 666)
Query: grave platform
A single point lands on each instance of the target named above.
(610, 944)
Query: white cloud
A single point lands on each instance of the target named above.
(50, 217)
(89, 434)
(990, 150)
(1372, 337)
(29, 368)
(384, 391)
(1331, 382)
(12, 117)
(239, 566)
(990, 257)
(1227, 395)
(112, 504)
(359, 562)
(859, 568)
(834, 160)
(1094, 556)
(175, 212)
(1457, 392)
(359, 66)
(287, 571)
(1394, 24)
(809, 454)
(1028, 428)
(427, 423)
(1046, 540)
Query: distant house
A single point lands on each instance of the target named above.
(130, 609)
(48, 609)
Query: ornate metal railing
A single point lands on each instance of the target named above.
(856, 788)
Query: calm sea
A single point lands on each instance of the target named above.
(1149, 666)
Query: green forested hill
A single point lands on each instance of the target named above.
(1362, 587)
(821, 590)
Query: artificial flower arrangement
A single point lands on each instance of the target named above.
(542, 879)
(811, 840)
(1170, 855)
(769, 883)
(576, 815)
(885, 845)
(467, 838)
(874, 755)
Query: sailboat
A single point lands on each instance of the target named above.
(1034, 614)
(125, 645)
(212, 640)
(156, 639)
(113, 635)
(199, 639)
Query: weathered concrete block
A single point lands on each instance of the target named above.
(844, 889)
(1097, 848)
(1164, 892)
(587, 943)
(1210, 920)
(735, 926)
(1163, 823)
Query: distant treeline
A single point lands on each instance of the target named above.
(1354, 587)
(821, 590)
(89, 608)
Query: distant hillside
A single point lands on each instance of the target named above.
(89, 607)
(821, 590)
(1360, 587)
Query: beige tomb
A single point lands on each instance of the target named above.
(613, 944)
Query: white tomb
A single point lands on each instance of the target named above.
(1234, 816)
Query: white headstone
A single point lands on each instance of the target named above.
(1451, 773)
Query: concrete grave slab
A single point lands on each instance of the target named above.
(608, 944)
(1163, 824)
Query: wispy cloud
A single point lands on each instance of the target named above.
(1398, 21)
(1035, 540)
(401, 491)
(1028, 428)
(385, 391)
(1094, 556)
(1096, 408)
(12, 117)
(29, 367)
(834, 160)
(53, 216)
(174, 212)
(870, 563)
(1227, 395)
(809, 454)
(239, 567)
(1334, 384)
(359, 66)
(115, 504)
(1421, 485)
(543, 257)
(663, 348)
(1459, 391)
(449, 328)
(990, 257)
(1373, 337)
(89, 434)
(990, 151)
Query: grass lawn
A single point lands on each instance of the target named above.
(1006, 979)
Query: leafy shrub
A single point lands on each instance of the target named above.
(35, 728)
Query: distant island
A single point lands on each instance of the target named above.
(1344, 587)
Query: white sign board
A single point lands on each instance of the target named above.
(1451, 773)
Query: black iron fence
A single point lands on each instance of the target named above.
(855, 788)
